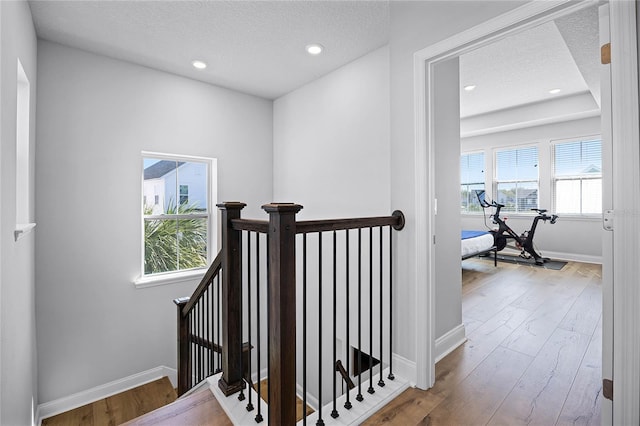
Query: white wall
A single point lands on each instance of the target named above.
(448, 281)
(331, 155)
(414, 26)
(569, 238)
(18, 367)
(95, 116)
(331, 142)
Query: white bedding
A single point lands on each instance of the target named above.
(476, 244)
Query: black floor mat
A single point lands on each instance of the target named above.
(556, 265)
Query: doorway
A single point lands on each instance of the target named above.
(625, 160)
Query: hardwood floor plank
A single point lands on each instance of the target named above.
(495, 299)
(119, 408)
(583, 404)
(200, 408)
(477, 397)
(585, 313)
(409, 408)
(79, 416)
(539, 395)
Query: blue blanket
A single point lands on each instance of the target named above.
(472, 234)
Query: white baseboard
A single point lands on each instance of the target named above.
(446, 343)
(585, 258)
(88, 396)
(405, 368)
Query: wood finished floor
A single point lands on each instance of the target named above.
(533, 354)
(119, 408)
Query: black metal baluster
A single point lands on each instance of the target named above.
(268, 292)
(203, 372)
(381, 381)
(191, 364)
(212, 352)
(248, 367)
(207, 349)
(319, 422)
(199, 344)
(334, 413)
(219, 326)
(258, 417)
(371, 390)
(359, 396)
(347, 404)
(304, 329)
(390, 376)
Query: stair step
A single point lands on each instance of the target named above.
(118, 408)
(199, 408)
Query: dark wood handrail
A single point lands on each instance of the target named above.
(261, 226)
(306, 226)
(215, 267)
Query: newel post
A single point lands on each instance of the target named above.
(231, 380)
(184, 366)
(282, 312)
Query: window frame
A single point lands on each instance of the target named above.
(169, 277)
(495, 180)
(484, 182)
(554, 179)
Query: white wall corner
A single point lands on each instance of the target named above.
(449, 341)
(88, 396)
(404, 368)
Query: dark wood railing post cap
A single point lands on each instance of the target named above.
(231, 205)
(181, 301)
(282, 208)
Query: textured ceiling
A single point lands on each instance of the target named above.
(521, 69)
(256, 47)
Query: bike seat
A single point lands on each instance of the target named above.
(539, 210)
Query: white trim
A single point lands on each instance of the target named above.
(88, 396)
(22, 229)
(519, 19)
(169, 278)
(312, 401)
(449, 341)
(572, 257)
(403, 367)
(626, 204)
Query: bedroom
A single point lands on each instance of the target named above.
(530, 135)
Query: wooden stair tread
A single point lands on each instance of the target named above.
(264, 394)
(199, 408)
(118, 408)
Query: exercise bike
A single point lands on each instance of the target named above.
(524, 241)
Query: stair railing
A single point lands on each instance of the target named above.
(278, 296)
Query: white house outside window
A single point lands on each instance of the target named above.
(176, 213)
(516, 179)
(471, 179)
(577, 177)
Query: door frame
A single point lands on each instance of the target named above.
(625, 129)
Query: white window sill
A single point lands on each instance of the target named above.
(169, 278)
(23, 229)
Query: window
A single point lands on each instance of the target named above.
(577, 177)
(516, 179)
(184, 194)
(176, 226)
(471, 179)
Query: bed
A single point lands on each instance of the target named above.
(474, 243)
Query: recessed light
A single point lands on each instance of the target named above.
(469, 87)
(314, 49)
(199, 64)
(554, 91)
